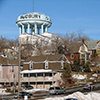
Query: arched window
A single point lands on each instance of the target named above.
(46, 64)
(31, 65)
(72, 56)
(62, 64)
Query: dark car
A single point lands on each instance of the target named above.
(71, 99)
(89, 86)
(27, 87)
(22, 94)
(56, 90)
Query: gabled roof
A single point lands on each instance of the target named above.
(45, 57)
(74, 48)
(6, 61)
(8, 55)
(39, 62)
(91, 44)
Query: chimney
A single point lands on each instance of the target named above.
(82, 40)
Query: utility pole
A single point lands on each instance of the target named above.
(19, 68)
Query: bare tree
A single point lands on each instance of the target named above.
(57, 42)
(2, 43)
(82, 36)
(74, 38)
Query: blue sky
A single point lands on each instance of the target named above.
(66, 16)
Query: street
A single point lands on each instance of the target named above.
(69, 90)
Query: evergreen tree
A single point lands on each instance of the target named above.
(66, 75)
(76, 65)
(87, 68)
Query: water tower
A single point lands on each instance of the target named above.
(33, 23)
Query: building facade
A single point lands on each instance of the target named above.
(78, 52)
(38, 71)
(42, 71)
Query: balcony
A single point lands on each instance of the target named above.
(36, 79)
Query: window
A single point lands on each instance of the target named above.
(39, 74)
(32, 75)
(25, 75)
(90, 52)
(31, 65)
(72, 56)
(62, 64)
(12, 68)
(98, 46)
(82, 55)
(39, 16)
(82, 47)
(48, 74)
(46, 64)
(13, 76)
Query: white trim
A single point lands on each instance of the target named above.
(46, 64)
(36, 71)
(62, 64)
(72, 55)
(31, 65)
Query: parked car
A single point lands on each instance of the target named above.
(5, 87)
(89, 86)
(27, 87)
(22, 94)
(71, 99)
(56, 90)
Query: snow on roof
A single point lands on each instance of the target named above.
(36, 71)
(78, 76)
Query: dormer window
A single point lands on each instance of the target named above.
(31, 65)
(62, 64)
(46, 64)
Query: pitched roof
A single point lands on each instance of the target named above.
(91, 44)
(74, 48)
(39, 61)
(44, 57)
(7, 61)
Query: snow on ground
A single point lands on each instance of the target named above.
(2, 92)
(79, 96)
(79, 76)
